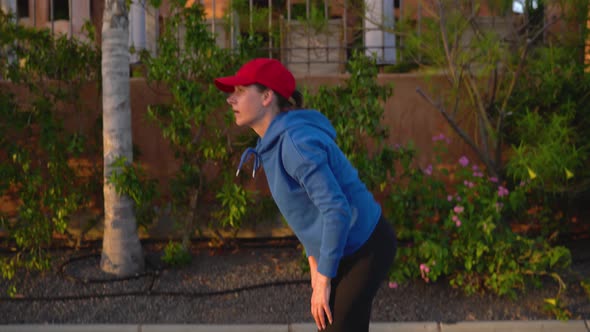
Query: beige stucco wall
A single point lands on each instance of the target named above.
(408, 116)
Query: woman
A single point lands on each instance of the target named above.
(350, 246)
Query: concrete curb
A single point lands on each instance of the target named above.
(479, 326)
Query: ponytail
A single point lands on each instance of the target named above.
(293, 103)
(285, 105)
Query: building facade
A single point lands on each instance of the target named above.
(310, 36)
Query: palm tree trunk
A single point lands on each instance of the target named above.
(121, 252)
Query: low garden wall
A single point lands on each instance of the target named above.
(407, 115)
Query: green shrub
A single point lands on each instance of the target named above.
(131, 180)
(38, 167)
(176, 255)
(197, 123)
(469, 238)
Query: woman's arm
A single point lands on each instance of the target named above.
(305, 159)
(313, 268)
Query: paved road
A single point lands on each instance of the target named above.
(485, 326)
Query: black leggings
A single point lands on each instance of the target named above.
(358, 279)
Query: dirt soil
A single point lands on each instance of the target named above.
(252, 283)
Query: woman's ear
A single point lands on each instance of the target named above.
(267, 97)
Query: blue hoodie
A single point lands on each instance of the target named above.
(317, 190)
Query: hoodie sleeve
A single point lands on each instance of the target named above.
(305, 158)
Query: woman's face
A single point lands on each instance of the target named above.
(248, 104)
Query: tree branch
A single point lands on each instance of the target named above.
(489, 163)
(521, 61)
(517, 73)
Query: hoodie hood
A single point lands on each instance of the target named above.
(292, 119)
(279, 125)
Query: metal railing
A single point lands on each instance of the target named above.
(325, 49)
(293, 38)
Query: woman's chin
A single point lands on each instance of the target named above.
(240, 122)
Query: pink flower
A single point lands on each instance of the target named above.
(439, 137)
(428, 170)
(458, 209)
(424, 271)
(456, 220)
(464, 161)
(393, 284)
(450, 198)
(478, 174)
(494, 179)
(468, 184)
(458, 198)
(502, 191)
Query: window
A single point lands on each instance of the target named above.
(22, 8)
(61, 10)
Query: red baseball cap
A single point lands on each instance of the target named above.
(268, 72)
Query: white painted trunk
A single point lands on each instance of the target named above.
(121, 251)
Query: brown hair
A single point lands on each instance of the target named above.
(295, 102)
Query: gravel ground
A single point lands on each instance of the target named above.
(197, 293)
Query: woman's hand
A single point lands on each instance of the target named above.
(320, 298)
